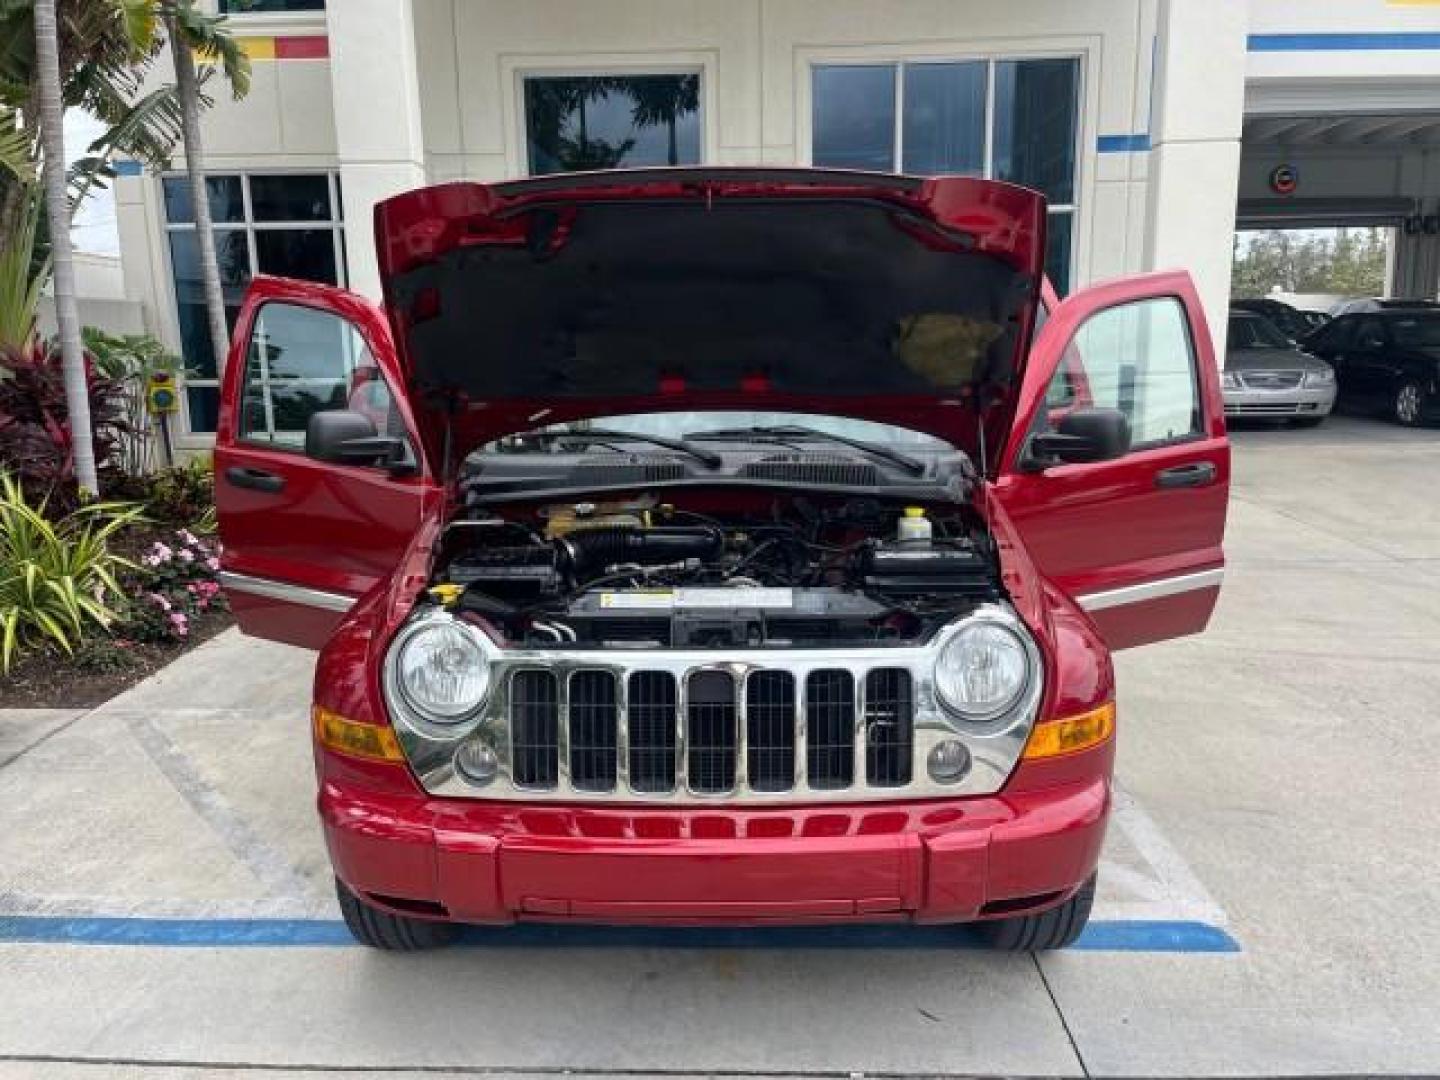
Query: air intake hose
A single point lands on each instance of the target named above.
(588, 551)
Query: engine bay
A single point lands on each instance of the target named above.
(761, 570)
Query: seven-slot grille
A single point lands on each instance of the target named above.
(711, 731)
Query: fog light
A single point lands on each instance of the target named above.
(948, 762)
(477, 763)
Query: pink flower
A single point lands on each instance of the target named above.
(212, 564)
(159, 601)
(161, 553)
(188, 537)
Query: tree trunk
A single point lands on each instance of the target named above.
(57, 202)
(189, 90)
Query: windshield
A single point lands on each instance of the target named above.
(1416, 333)
(677, 425)
(1256, 332)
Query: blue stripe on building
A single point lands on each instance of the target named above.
(1341, 42)
(1123, 144)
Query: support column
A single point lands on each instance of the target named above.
(380, 144)
(1194, 175)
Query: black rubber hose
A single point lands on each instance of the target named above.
(589, 550)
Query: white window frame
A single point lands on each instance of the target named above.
(188, 437)
(1084, 49)
(514, 70)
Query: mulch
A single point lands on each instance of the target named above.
(47, 678)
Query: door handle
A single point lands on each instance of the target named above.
(258, 479)
(1186, 476)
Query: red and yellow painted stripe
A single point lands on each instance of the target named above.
(289, 47)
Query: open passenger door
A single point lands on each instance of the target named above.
(1134, 538)
(308, 524)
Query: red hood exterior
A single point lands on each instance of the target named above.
(894, 299)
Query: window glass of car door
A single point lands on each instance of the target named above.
(302, 361)
(1370, 335)
(1138, 358)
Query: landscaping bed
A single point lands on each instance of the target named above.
(172, 606)
(100, 669)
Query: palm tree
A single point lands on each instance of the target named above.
(663, 99)
(92, 55)
(190, 32)
(57, 202)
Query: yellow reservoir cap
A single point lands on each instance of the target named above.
(1054, 738)
(914, 511)
(369, 741)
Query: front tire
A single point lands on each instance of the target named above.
(1053, 929)
(392, 933)
(1408, 404)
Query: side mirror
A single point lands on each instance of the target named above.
(349, 438)
(1082, 436)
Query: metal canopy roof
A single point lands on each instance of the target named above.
(1377, 131)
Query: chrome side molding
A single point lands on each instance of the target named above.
(1152, 590)
(284, 591)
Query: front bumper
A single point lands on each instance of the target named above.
(923, 861)
(1298, 402)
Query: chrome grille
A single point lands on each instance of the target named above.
(830, 729)
(1271, 380)
(594, 731)
(710, 732)
(651, 715)
(889, 727)
(770, 730)
(693, 726)
(535, 728)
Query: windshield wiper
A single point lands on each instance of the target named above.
(708, 458)
(914, 466)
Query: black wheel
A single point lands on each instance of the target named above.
(1408, 403)
(1053, 929)
(394, 933)
(1307, 421)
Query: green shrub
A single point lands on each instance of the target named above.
(180, 496)
(57, 578)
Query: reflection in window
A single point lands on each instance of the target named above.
(940, 127)
(1137, 358)
(575, 123)
(301, 361)
(854, 117)
(293, 229)
(1035, 107)
(945, 119)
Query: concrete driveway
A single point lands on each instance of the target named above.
(1267, 901)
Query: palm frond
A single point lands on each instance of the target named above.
(16, 153)
(210, 38)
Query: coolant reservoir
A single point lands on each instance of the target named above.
(913, 525)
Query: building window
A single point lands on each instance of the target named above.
(574, 123)
(289, 225)
(1013, 120)
(251, 7)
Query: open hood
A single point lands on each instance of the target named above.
(887, 298)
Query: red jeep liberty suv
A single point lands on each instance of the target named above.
(739, 546)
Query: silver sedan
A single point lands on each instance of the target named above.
(1267, 377)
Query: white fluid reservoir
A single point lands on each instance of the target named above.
(913, 525)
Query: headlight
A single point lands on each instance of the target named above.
(442, 671)
(982, 671)
(1320, 378)
(1229, 380)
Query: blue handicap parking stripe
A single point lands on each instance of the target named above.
(1100, 935)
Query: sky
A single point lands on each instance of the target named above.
(93, 228)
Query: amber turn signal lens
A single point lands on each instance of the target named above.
(370, 741)
(1051, 738)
